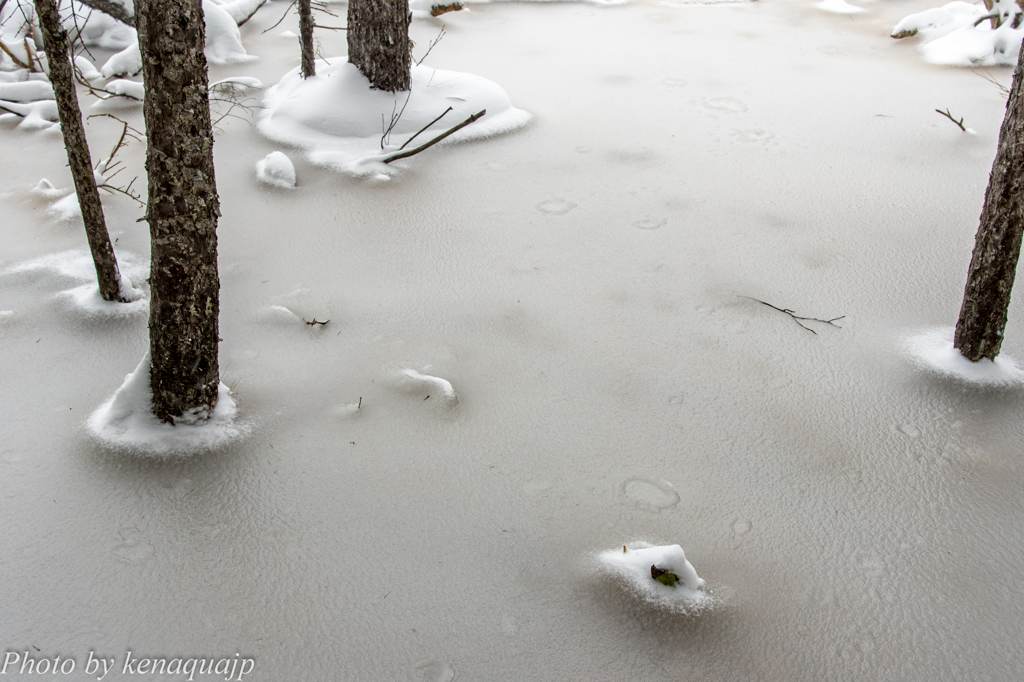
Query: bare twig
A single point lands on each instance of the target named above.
(987, 75)
(286, 11)
(386, 136)
(424, 128)
(433, 42)
(417, 150)
(948, 115)
(315, 321)
(798, 318)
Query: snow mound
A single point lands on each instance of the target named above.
(276, 169)
(435, 388)
(933, 350)
(46, 190)
(950, 38)
(126, 422)
(839, 7)
(87, 301)
(632, 566)
(223, 45)
(26, 91)
(77, 266)
(36, 115)
(337, 118)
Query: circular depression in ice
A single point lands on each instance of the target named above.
(932, 349)
(649, 494)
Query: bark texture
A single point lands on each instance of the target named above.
(58, 55)
(378, 42)
(182, 211)
(306, 38)
(979, 329)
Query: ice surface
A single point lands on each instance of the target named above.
(933, 350)
(632, 565)
(126, 422)
(612, 385)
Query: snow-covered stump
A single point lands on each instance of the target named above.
(336, 116)
(659, 575)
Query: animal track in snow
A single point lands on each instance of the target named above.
(555, 206)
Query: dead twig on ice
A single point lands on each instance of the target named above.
(402, 155)
(948, 115)
(798, 318)
(314, 322)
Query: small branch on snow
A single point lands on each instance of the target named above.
(424, 128)
(402, 155)
(315, 322)
(798, 318)
(948, 115)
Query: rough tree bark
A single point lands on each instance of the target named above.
(378, 42)
(306, 38)
(979, 329)
(182, 211)
(58, 56)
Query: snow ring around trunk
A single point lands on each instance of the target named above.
(126, 422)
(632, 564)
(932, 349)
(336, 117)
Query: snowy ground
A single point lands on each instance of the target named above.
(579, 287)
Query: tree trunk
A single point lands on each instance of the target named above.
(58, 55)
(378, 42)
(306, 38)
(182, 211)
(979, 330)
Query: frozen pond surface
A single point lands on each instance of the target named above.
(580, 284)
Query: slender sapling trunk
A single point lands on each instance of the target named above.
(979, 329)
(58, 56)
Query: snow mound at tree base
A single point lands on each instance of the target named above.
(933, 350)
(341, 122)
(126, 422)
(633, 568)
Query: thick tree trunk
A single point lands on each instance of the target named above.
(306, 38)
(979, 330)
(182, 211)
(378, 42)
(58, 55)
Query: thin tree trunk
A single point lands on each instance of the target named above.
(306, 38)
(979, 330)
(58, 55)
(378, 42)
(182, 211)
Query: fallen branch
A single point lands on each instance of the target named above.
(424, 128)
(403, 155)
(315, 322)
(948, 115)
(112, 9)
(438, 10)
(797, 318)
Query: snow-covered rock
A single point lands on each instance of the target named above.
(633, 563)
(276, 169)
